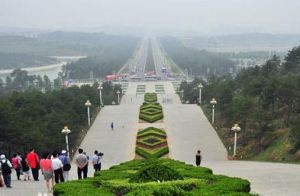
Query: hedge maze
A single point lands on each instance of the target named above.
(152, 143)
(151, 111)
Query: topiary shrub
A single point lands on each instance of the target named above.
(155, 172)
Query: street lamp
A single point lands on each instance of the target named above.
(100, 93)
(118, 93)
(200, 86)
(66, 131)
(236, 129)
(213, 102)
(88, 105)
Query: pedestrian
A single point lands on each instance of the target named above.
(57, 167)
(88, 159)
(47, 171)
(1, 179)
(66, 164)
(6, 166)
(33, 162)
(112, 126)
(16, 163)
(82, 164)
(25, 168)
(198, 158)
(96, 161)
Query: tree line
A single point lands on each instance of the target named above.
(264, 100)
(197, 62)
(34, 118)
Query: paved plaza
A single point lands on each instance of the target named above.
(187, 129)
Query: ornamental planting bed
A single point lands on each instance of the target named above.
(151, 111)
(141, 88)
(152, 143)
(159, 88)
(164, 177)
(150, 97)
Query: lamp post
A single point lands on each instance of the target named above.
(88, 105)
(118, 93)
(200, 86)
(66, 131)
(100, 93)
(213, 102)
(236, 129)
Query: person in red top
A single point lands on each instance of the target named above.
(33, 162)
(46, 167)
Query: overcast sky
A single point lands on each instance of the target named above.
(197, 16)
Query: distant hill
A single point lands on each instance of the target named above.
(244, 42)
(61, 43)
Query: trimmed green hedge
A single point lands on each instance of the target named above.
(150, 97)
(116, 181)
(156, 172)
(145, 153)
(147, 149)
(152, 118)
(152, 130)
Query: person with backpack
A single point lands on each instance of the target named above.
(25, 168)
(6, 166)
(66, 164)
(16, 163)
(33, 162)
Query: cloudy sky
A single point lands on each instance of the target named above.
(188, 16)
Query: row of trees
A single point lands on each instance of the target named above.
(19, 80)
(19, 60)
(107, 61)
(32, 118)
(263, 99)
(195, 61)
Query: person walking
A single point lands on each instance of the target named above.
(198, 158)
(82, 164)
(112, 126)
(16, 163)
(46, 167)
(25, 168)
(66, 164)
(57, 167)
(33, 160)
(6, 166)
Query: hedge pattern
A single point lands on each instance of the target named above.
(116, 181)
(151, 112)
(150, 97)
(151, 143)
